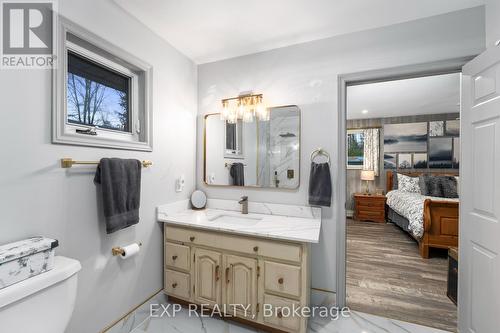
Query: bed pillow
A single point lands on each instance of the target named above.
(449, 186)
(394, 180)
(439, 186)
(430, 186)
(408, 184)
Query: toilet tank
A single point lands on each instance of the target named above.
(26, 258)
(43, 303)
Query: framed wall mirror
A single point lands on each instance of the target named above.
(256, 154)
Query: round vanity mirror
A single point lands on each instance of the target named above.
(198, 199)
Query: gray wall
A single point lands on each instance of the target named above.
(492, 22)
(306, 75)
(354, 184)
(37, 197)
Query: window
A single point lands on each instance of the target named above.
(102, 93)
(97, 96)
(355, 149)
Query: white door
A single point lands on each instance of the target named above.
(479, 246)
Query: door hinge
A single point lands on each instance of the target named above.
(258, 307)
(194, 258)
(258, 271)
(193, 289)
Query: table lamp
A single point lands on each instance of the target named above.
(367, 175)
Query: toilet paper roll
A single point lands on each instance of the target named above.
(130, 250)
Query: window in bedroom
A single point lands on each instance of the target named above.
(355, 149)
(102, 93)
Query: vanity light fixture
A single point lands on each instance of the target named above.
(245, 107)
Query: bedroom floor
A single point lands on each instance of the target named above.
(387, 277)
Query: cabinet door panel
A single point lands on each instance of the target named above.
(241, 284)
(207, 277)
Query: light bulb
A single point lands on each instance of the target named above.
(225, 110)
(241, 109)
(248, 116)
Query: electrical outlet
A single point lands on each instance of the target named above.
(180, 183)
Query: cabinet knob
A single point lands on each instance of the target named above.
(255, 248)
(279, 314)
(191, 238)
(281, 280)
(174, 257)
(174, 285)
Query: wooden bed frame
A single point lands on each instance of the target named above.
(440, 219)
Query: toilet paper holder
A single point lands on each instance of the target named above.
(119, 251)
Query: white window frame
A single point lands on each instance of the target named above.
(140, 105)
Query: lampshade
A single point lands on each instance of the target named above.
(367, 175)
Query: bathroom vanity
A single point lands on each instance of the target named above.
(220, 257)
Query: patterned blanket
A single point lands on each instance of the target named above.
(411, 206)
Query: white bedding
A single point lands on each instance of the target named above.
(411, 206)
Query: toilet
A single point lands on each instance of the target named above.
(43, 303)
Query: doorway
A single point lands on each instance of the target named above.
(425, 277)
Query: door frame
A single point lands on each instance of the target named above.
(389, 74)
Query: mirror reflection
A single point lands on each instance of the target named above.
(258, 153)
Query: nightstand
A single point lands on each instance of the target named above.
(369, 207)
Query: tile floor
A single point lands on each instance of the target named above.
(356, 323)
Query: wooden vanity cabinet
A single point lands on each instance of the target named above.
(227, 269)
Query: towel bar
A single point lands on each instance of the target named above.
(69, 162)
(228, 165)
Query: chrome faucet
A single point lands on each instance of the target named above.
(244, 204)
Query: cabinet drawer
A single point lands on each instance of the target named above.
(248, 245)
(368, 204)
(177, 256)
(282, 278)
(177, 284)
(282, 313)
(370, 213)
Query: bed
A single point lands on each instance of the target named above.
(437, 227)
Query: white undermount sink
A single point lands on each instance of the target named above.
(230, 219)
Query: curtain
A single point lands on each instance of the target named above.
(371, 150)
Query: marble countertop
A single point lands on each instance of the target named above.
(303, 227)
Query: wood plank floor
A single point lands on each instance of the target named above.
(387, 277)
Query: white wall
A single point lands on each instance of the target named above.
(306, 75)
(492, 22)
(37, 197)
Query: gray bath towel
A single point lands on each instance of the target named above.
(320, 185)
(121, 191)
(237, 171)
